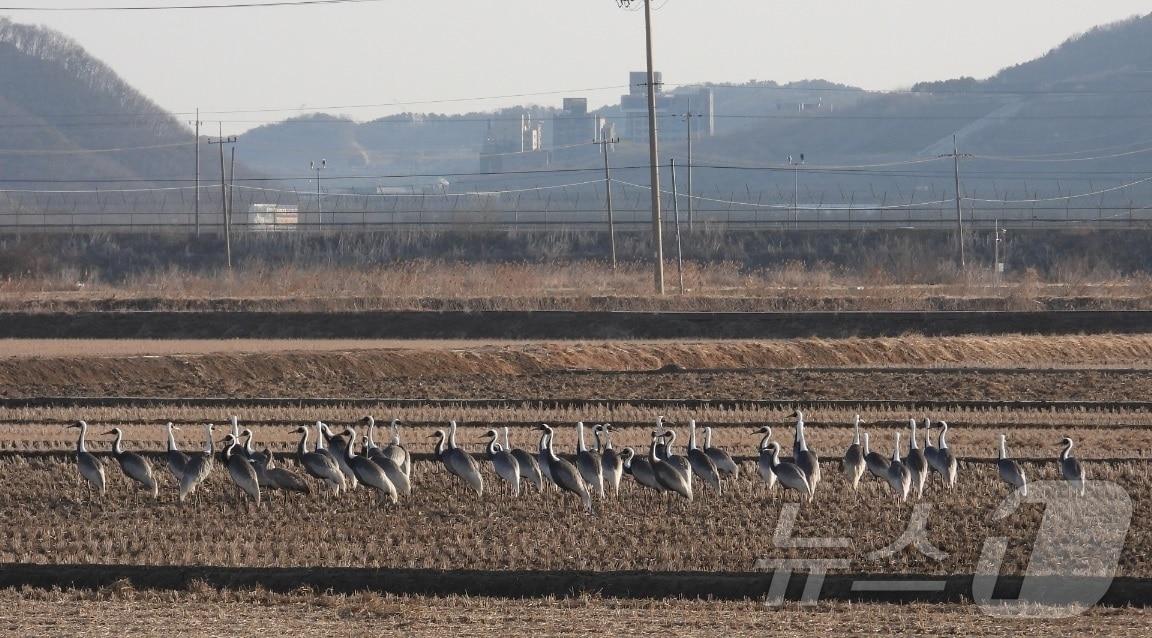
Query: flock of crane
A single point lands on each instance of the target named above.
(387, 470)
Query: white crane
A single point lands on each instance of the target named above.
(91, 469)
(133, 465)
(899, 476)
(589, 463)
(199, 466)
(563, 474)
(764, 462)
(176, 459)
(702, 464)
(529, 466)
(789, 475)
(640, 469)
(876, 462)
(1010, 471)
(853, 464)
(610, 461)
(916, 463)
(368, 472)
(945, 458)
(505, 465)
(1070, 468)
(320, 466)
(806, 459)
(240, 469)
(723, 460)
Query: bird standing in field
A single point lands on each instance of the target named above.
(320, 466)
(876, 462)
(199, 466)
(723, 460)
(394, 451)
(916, 463)
(804, 457)
(528, 464)
(1070, 468)
(764, 462)
(610, 461)
(338, 448)
(278, 478)
(640, 469)
(133, 465)
(457, 461)
(589, 463)
(176, 459)
(367, 472)
(702, 464)
(670, 477)
(505, 465)
(387, 461)
(899, 476)
(931, 452)
(563, 474)
(91, 469)
(1010, 471)
(240, 469)
(673, 459)
(853, 464)
(945, 458)
(789, 475)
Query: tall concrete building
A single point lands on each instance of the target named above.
(670, 109)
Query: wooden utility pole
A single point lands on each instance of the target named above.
(688, 118)
(654, 156)
(676, 218)
(608, 196)
(955, 155)
(227, 218)
(196, 194)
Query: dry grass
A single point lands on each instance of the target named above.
(441, 527)
(422, 284)
(125, 611)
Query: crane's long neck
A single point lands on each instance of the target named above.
(856, 431)
(1003, 451)
(319, 436)
(248, 443)
(943, 433)
(912, 441)
(800, 436)
(350, 449)
(580, 446)
(628, 459)
(492, 445)
(302, 448)
(171, 439)
(653, 452)
(117, 448)
(928, 437)
(866, 450)
(896, 450)
(507, 446)
(1067, 450)
(394, 428)
(371, 435)
(764, 441)
(692, 434)
(773, 455)
(80, 445)
(452, 435)
(671, 443)
(551, 452)
(210, 445)
(596, 435)
(607, 438)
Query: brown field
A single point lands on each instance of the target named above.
(205, 611)
(49, 520)
(575, 285)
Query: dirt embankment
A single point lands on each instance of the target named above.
(414, 372)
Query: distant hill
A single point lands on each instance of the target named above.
(58, 104)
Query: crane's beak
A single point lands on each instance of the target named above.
(109, 433)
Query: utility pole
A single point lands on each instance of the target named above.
(227, 221)
(196, 194)
(653, 152)
(955, 155)
(688, 118)
(796, 188)
(676, 218)
(319, 211)
(998, 268)
(604, 142)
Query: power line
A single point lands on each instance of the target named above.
(91, 151)
(185, 7)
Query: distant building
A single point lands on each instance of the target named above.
(670, 110)
(267, 217)
(574, 125)
(510, 134)
(803, 107)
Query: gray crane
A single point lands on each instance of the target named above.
(457, 461)
(640, 469)
(368, 472)
(723, 460)
(945, 458)
(589, 463)
(916, 462)
(702, 464)
(529, 466)
(876, 462)
(388, 463)
(320, 466)
(279, 478)
(899, 476)
(764, 462)
(1070, 468)
(176, 459)
(610, 461)
(199, 466)
(240, 469)
(505, 464)
(677, 461)
(394, 451)
(789, 475)
(670, 477)
(339, 451)
(133, 465)
(853, 463)
(806, 459)
(931, 452)
(1010, 471)
(91, 469)
(564, 474)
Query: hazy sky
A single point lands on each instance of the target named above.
(407, 51)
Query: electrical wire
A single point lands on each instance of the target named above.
(186, 7)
